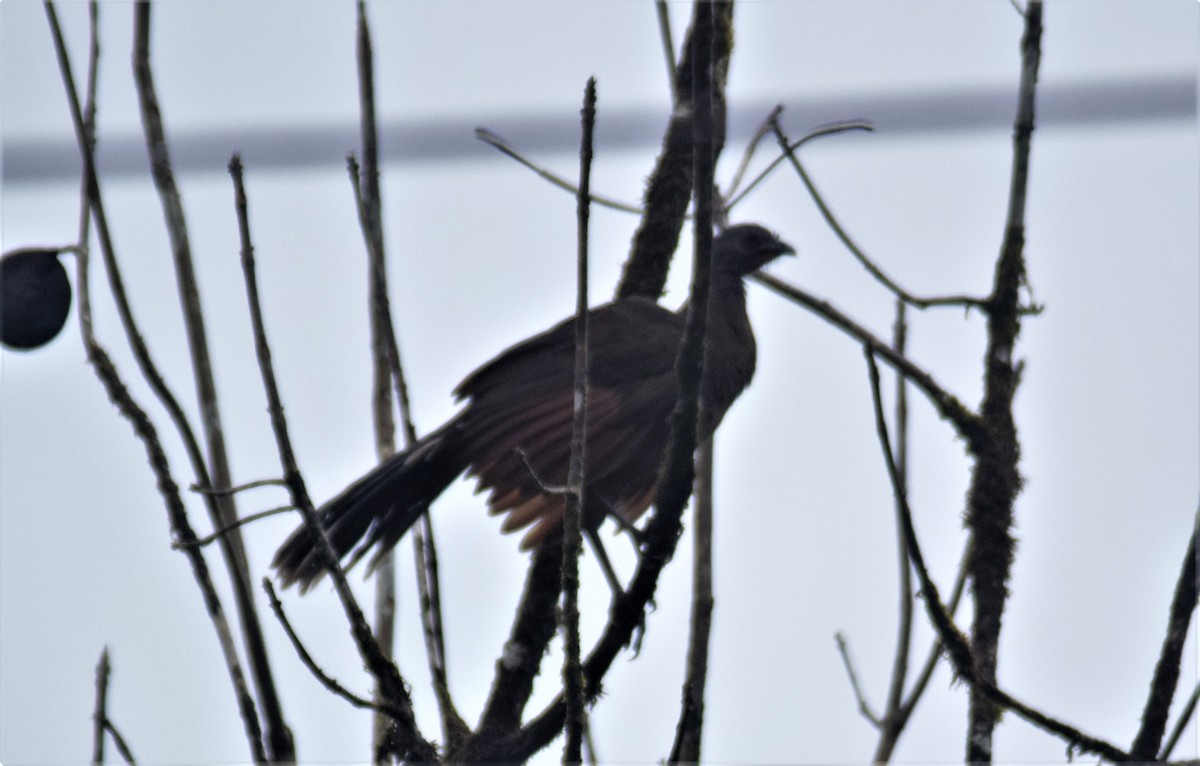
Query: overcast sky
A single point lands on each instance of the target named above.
(482, 254)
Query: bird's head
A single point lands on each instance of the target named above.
(747, 247)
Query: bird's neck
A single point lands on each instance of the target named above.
(730, 350)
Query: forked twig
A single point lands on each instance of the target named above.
(957, 647)
(966, 422)
(864, 707)
(326, 680)
(785, 146)
(733, 196)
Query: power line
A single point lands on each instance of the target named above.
(448, 139)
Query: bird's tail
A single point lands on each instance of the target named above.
(377, 509)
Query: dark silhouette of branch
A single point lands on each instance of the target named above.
(785, 146)
(101, 724)
(391, 712)
(408, 742)
(706, 101)
(388, 372)
(217, 535)
(996, 481)
(112, 382)
(222, 508)
(894, 718)
(663, 14)
(686, 747)
(860, 696)
(957, 648)
(572, 536)
(734, 195)
(1166, 672)
(669, 188)
(491, 139)
(675, 484)
(966, 422)
(1181, 723)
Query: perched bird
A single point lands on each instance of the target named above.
(514, 434)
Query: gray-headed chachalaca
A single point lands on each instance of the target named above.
(514, 434)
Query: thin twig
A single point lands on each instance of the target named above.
(119, 741)
(1181, 723)
(490, 138)
(572, 542)
(1166, 672)
(326, 680)
(686, 747)
(734, 196)
(966, 422)
(894, 717)
(662, 10)
(233, 490)
(215, 536)
(860, 696)
(904, 712)
(410, 744)
(119, 394)
(760, 133)
(953, 300)
(100, 712)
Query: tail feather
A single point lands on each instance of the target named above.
(377, 509)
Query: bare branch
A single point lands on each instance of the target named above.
(221, 507)
(100, 712)
(733, 196)
(237, 487)
(215, 536)
(572, 536)
(408, 739)
(966, 422)
(119, 394)
(894, 717)
(996, 481)
(1181, 723)
(855, 250)
(864, 706)
(669, 187)
(675, 483)
(490, 138)
(326, 680)
(662, 10)
(686, 747)
(1166, 672)
(955, 643)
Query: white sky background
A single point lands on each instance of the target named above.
(482, 254)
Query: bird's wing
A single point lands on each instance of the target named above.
(518, 424)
